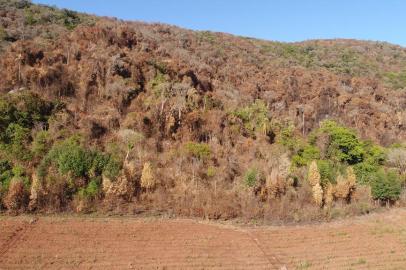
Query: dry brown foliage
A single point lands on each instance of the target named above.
(16, 196)
(118, 80)
(36, 192)
(147, 177)
(329, 195)
(342, 188)
(313, 174)
(318, 194)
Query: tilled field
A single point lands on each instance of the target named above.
(373, 242)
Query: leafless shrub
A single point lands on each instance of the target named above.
(397, 159)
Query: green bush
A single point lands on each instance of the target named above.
(156, 82)
(25, 109)
(206, 36)
(373, 160)
(91, 191)
(328, 171)
(287, 138)
(305, 155)
(19, 173)
(211, 171)
(19, 113)
(98, 162)
(255, 117)
(386, 186)
(30, 17)
(40, 144)
(21, 4)
(198, 150)
(251, 177)
(345, 145)
(6, 174)
(364, 172)
(70, 19)
(73, 159)
(396, 80)
(112, 168)
(17, 139)
(3, 33)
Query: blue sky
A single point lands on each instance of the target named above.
(282, 20)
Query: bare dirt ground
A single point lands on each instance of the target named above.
(377, 241)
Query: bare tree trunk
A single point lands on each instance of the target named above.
(19, 70)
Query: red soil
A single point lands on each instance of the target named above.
(373, 242)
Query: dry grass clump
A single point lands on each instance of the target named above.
(345, 185)
(35, 193)
(314, 180)
(313, 174)
(147, 177)
(329, 195)
(120, 187)
(317, 194)
(341, 188)
(278, 181)
(16, 197)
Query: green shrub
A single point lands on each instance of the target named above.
(373, 160)
(91, 191)
(112, 168)
(386, 186)
(72, 158)
(21, 4)
(305, 155)
(374, 154)
(198, 150)
(206, 36)
(345, 145)
(30, 17)
(251, 177)
(17, 139)
(328, 171)
(287, 138)
(24, 109)
(40, 144)
(396, 80)
(98, 162)
(18, 171)
(364, 172)
(6, 174)
(3, 33)
(211, 171)
(255, 117)
(70, 19)
(156, 82)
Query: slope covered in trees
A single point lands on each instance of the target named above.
(102, 114)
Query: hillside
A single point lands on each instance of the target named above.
(97, 113)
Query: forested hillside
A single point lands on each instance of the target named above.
(99, 114)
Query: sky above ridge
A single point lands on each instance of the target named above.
(281, 20)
